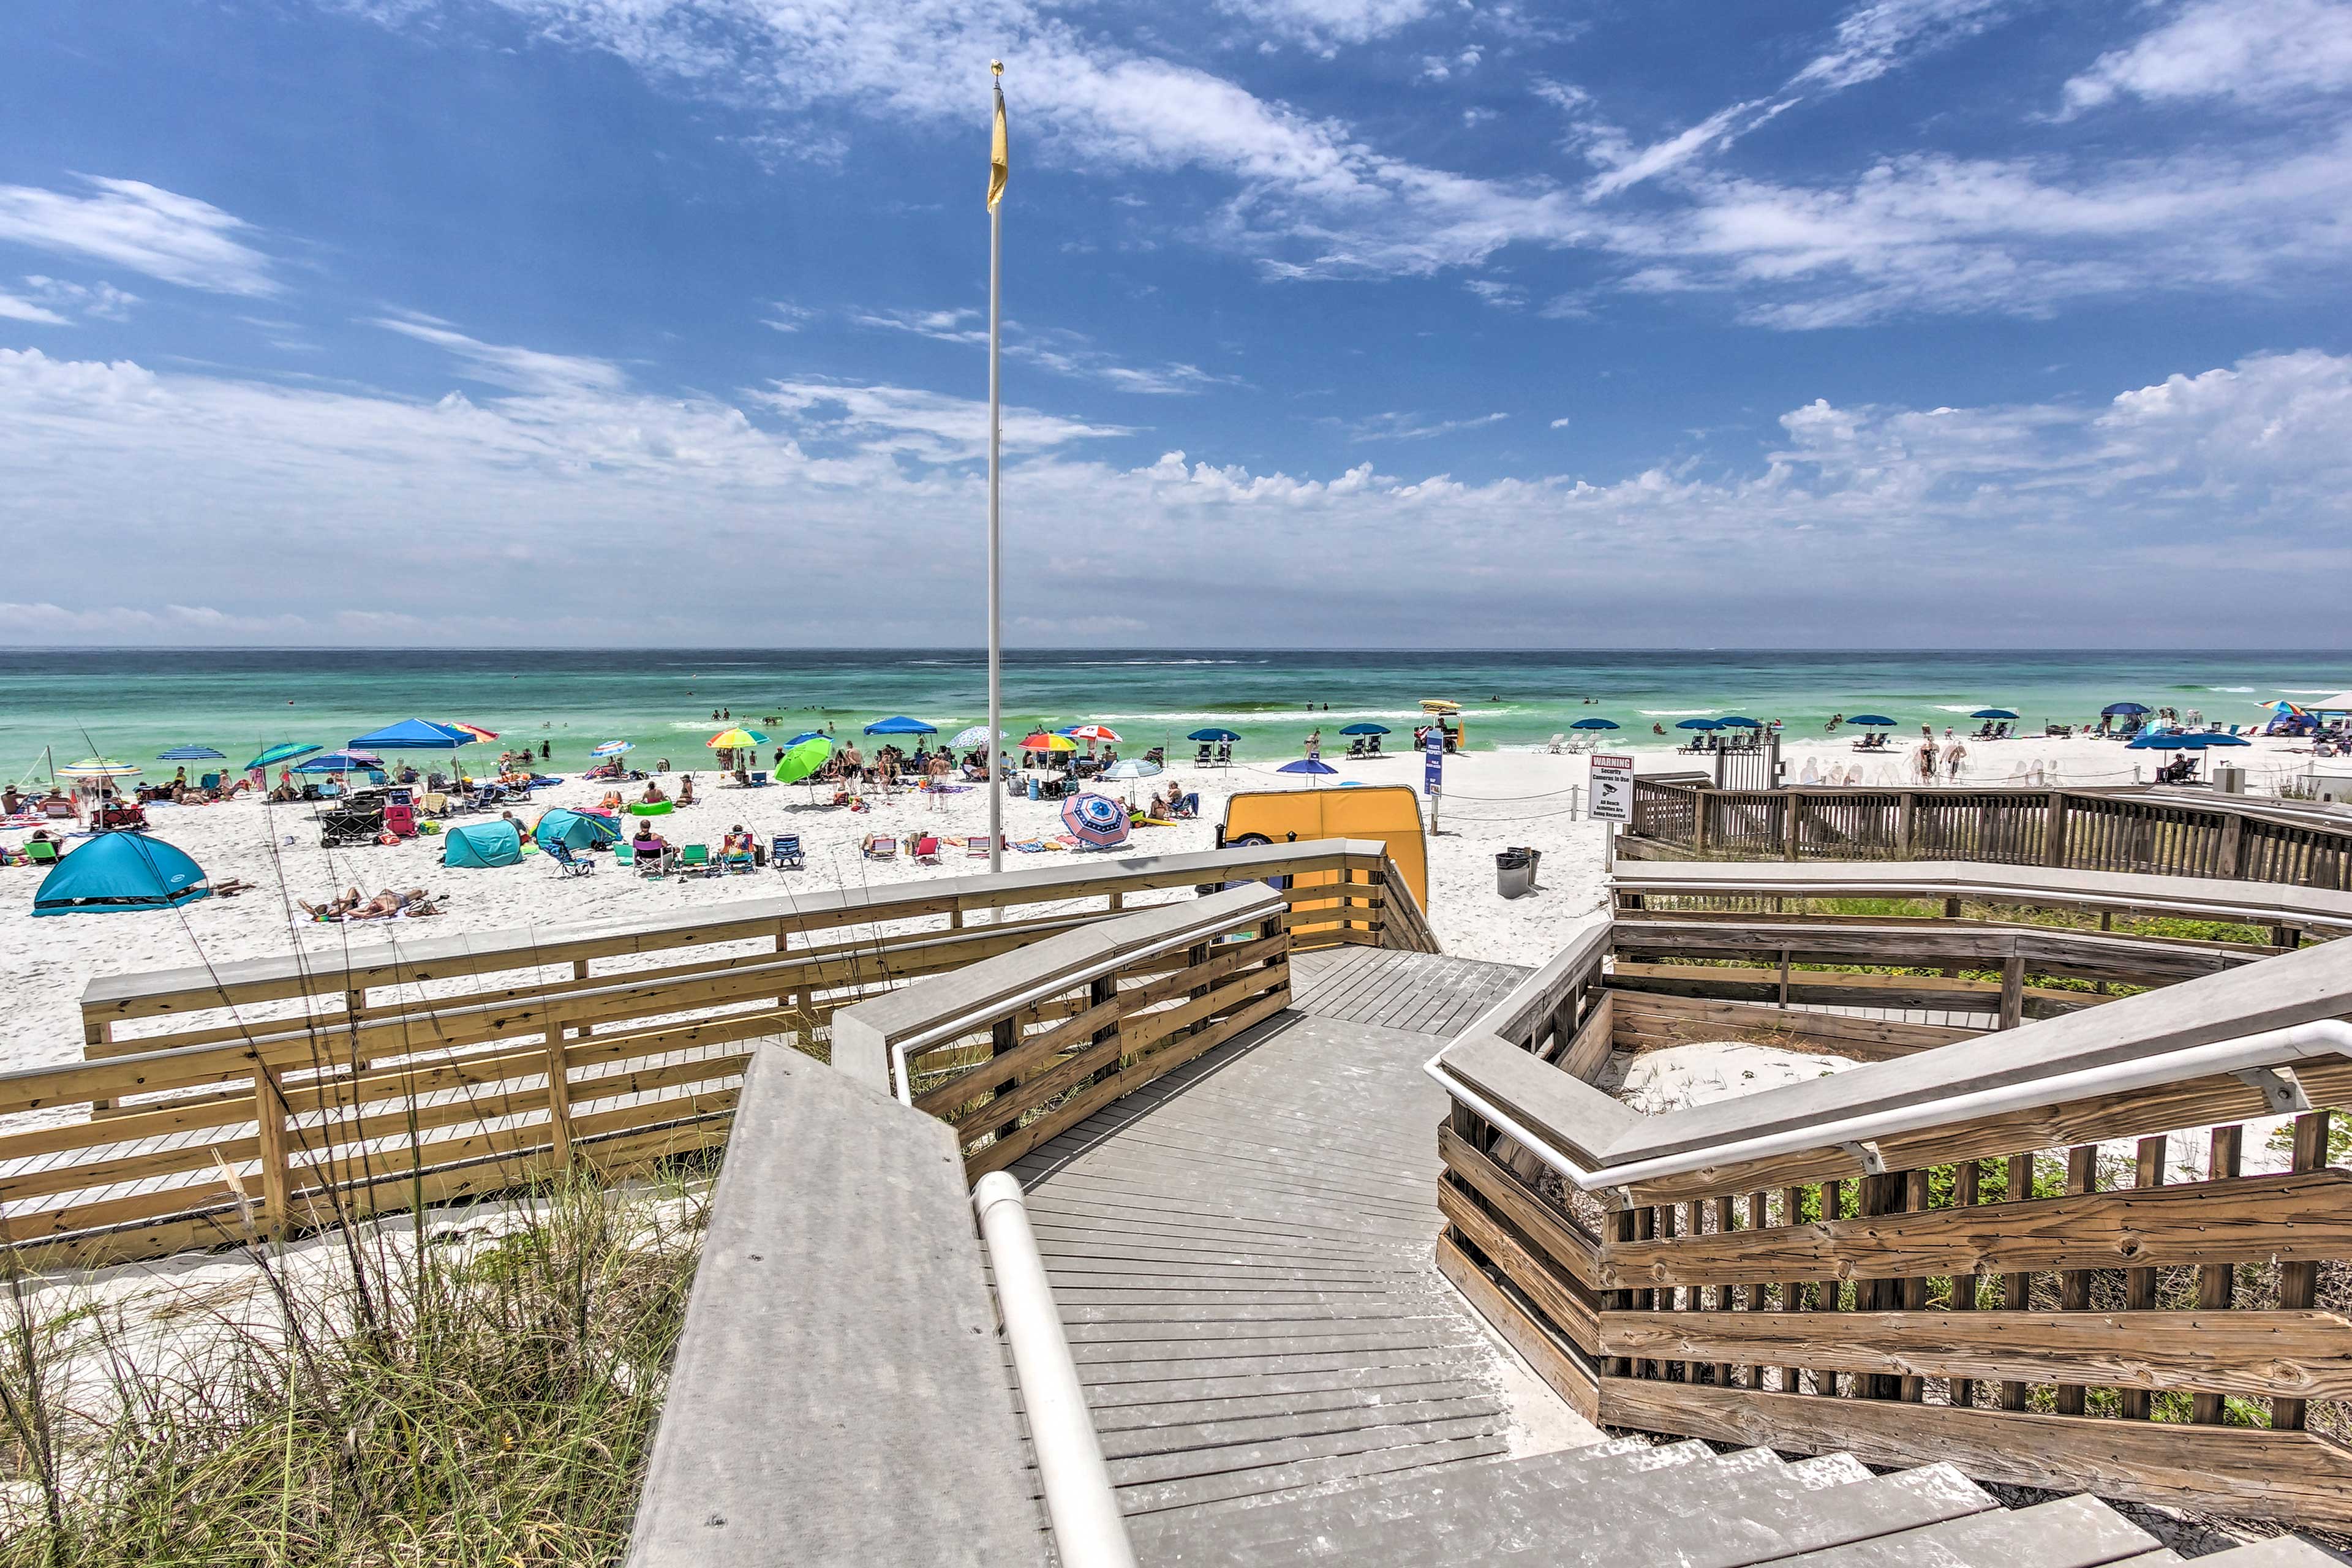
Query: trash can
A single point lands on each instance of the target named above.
(2229, 779)
(1515, 871)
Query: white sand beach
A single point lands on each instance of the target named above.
(1493, 800)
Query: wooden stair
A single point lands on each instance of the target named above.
(1628, 1504)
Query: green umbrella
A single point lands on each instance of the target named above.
(805, 759)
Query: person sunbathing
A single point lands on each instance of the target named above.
(653, 795)
(334, 908)
(686, 791)
(611, 804)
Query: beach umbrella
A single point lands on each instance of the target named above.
(975, 736)
(340, 762)
(119, 873)
(1594, 724)
(1992, 714)
(1131, 768)
(414, 736)
(1092, 732)
(737, 739)
(1306, 765)
(1365, 730)
(1213, 734)
(901, 724)
(192, 754)
(2211, 740)
(611, 748)
(1872, 721)
(475, 730)
(1698, 724)
(1042, 742)
(97, 770)
(806, 735)
(1737, 722)
(803, 758)
(1095, 820)
(284, 753)
(2123, 710)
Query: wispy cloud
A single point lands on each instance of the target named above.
(927, 426)
(1058, 349)
(1394, 426)
(501, 364)
(2261, 54)
(130, 223)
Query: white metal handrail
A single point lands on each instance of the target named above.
(1089, 1530)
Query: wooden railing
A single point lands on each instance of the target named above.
(2086, 830)
(299, 1091)
(1015, 1050)
(1932, 1257)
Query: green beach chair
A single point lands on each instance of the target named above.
(625, 853)
(694, 860)
(41, 852)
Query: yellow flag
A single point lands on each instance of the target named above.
(998, 163)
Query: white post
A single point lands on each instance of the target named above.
(996, 653)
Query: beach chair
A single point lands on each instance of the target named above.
(1555, 745)
(785, 852)
(694, 860)
(976, 847)
(567, 864)
(654, 865)
(1190, 806)
(40, 852)
(927, 851)
(626, 854)
(878, 847)
(742, 863)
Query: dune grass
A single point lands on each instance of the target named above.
(486, 1398)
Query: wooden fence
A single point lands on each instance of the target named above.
(2085, 830)
(1985, 1285)
(299, 1092)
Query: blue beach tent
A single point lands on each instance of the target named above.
(574, 829)
(117, 873)
(413, 735)
(482, 844)
(901, 725)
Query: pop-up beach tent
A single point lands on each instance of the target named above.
(119, 872)
(574, 830)
(482, 844)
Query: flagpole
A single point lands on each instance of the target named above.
(995, 578)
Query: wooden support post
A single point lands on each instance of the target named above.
(1831, 1292)
(1966, 1178)
(559, 1096)
(2012, 989)
(95, 1032)
(1906, 823)
(1793, 1291)
(1622, 1228)
(1792, 811)
(2139, 1284)
(1646, 1299)
(1758, 1210)
(1784, 979)
(1880, 1196)
(1914, 1290)
(1700, 799)
(2216, 1282)
(2074, 1284)
(2299, 1282)
(2016, 1288)
(2053, 830)
(2233, 839)
(1725, 1224)
(277, 1155)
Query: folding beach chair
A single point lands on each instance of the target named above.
(976, 847)
(879, 847)
(626, 854)
(41, 852)
(654, 865)
(927, 851)
(694, 860)
(785, 854)
(1555, 745)
(1205, 757)
(567, 864)
(743, 862)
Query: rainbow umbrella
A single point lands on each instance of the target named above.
(1095, 820)
(1042, 742)
(474, 730)
(736, 741)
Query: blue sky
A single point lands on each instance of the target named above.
(1353, 322)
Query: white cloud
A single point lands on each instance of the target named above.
(1876, 38)
(128, 223)
(1561, 423)
(1415, 426)
(242, 503)
(499, 364)
(1326, 24)
(53, 302)
(2259, 53)
(1056, 349)
(16, 308)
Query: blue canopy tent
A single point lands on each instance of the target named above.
(414, 735)
(1594, 724)
(901, 725)
(482, 844)
(574, 829)
(120, 873)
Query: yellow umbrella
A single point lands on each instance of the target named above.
(736, 741)
(1042, 742)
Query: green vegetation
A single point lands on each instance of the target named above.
(486, 1398)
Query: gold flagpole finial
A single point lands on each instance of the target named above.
(996, 67)
(999, 162)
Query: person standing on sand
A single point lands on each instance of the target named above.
(1315, 743)
(1955, 755)
(1926, 759)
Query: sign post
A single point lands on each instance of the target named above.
(1612, 798)
(1433, 770)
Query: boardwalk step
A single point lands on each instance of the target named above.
(2280, 1552)
(2071, 1532)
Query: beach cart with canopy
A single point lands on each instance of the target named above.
(1446, 714)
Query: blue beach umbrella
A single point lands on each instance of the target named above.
(2123, 709)
(1872, 721)
(1992, 714)
(340, 762)
(2212, 741)
(806, 735)
(1218, 735)
(1739, 721)
(1365, 730)
(1698, 724)
(280, 753)
(1594, 724)
(901, 725)
(1306, 765)
(192, 754)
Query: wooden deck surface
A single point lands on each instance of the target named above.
(1425, 992)
(1243, 1256)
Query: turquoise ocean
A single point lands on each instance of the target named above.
(130, 704)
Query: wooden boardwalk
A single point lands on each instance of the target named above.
(1425, 992)
(1243, 1256)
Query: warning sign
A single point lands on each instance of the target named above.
(1612, 788)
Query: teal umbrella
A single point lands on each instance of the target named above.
(281, 753)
